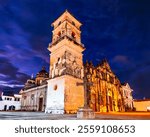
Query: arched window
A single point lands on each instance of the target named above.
(58, 59)
(73, 35)
(73, 23)
(59, 34)
(59, 23)
(63, 32)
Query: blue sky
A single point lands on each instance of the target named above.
(118, 30)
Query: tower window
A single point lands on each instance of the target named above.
(58, 60)
(73, 35)
(73, 23)
(59, 23)
(59, 34)
(63, 32)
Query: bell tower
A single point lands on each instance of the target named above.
(66, 66)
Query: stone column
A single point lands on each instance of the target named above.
(86, 112)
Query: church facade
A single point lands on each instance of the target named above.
(105, 92)
(59, 91)
(34, 92)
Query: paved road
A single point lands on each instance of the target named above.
(99, 116)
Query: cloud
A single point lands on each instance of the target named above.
(10, 75)
(120, 59)
(2, 76)
(18, 45)
(13, 85)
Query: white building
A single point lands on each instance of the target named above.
(127, 95)
(10, 102)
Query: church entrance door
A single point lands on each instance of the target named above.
(40, 104)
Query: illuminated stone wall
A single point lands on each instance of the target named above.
(74, 95)
(105, 93)
(142, 105)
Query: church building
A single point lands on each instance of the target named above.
(59, 91)
(105, 92)
(34, 92)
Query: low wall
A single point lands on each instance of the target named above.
(142, 105)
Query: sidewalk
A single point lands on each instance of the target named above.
(125, 113)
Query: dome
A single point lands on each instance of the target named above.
(42, 73)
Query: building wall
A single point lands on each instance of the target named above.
(63, 95)
(74, 94)
(142, 105)
(127, 95)
(55, 96)
(9, 101)
(34, 99)
(105, 97)
(105, 89)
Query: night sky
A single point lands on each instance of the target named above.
(118, 30)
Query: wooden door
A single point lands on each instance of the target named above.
(40, 104)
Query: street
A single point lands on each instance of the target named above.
(5, 115)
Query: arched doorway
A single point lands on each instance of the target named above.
(40, 104)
